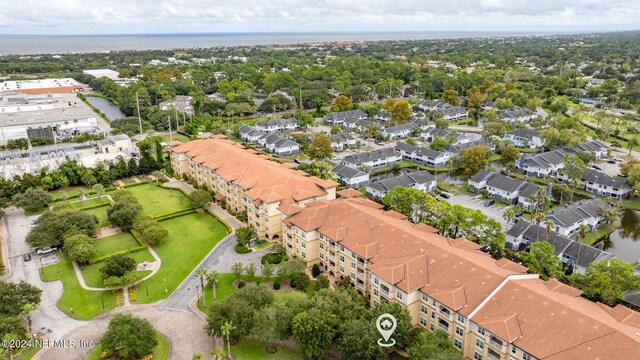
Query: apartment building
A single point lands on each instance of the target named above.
(247, 181)
(491, 309)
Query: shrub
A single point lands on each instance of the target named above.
(276, 285)
(315, 271)
(271, 258)
(241, 249)
(241, 284)
(300, 281)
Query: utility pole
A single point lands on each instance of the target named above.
(139, 118)
(177, 120)
(170, 134)
(301, 108)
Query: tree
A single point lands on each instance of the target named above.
(123, 215)
(292, 267)
(541, 259)
(508, 156)
(358, 341)
(200, 199)
(13, 297)
(250, 270)
(341, 103)
(607, 280)
(99, 189)
(51, 228)
(509, 215)
(314, 331)
(227, 328)
(244, 235)
(32, 198)
(320, 147)
(398, 109)
(573, 167)
(237, 269)
(321, 170)
(117, 266)
(152, 232)
(202, 273)
(451, 97)
(401, 334)
(80, 248)
(267, 270)
(474, 159)
(549, 224)
(439, 143)
(430, 345)
(270, 324)
(12, 325)
(213, 277)
(27, 310)
(129, 337)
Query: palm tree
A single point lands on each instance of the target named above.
(202, 273)
(218, 354)
(583, 230)
(509, 215)
(549, 224)
(237, 269)
(539, 218)
(27, 309)
(213, 277)
(196, 356)
(99, 189)
(250, 270)
(564, 188)
(226, 329)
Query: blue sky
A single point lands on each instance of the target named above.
(196, 16)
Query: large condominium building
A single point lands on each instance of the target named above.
(250, 182)
(491, 309)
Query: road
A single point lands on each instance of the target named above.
(48, 320)
(477, 203)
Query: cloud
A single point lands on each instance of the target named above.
(121, 16)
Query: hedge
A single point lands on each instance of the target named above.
(94, 206)
(137, 184)
(229, 228)
(174, 215)
(241, 249)
(123, 252)
(271, 258)
(138, 238)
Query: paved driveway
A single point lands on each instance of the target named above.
(48, 321)
(477, 203)
(610, 169)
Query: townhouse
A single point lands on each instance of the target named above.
(422, 155)
(384, 157)
(443, 109)
(339, 118)
(574, 255)
(502, 187)
(454, 136)
(419, 180)
(516, 114)
(458, 147)
(567, 219)
(180, 103)
(382, 115)
(597, 148)
(279, 145)
(342, 141)
(249, 134)
(350, 177)
(599, 183)
(248, 181)
(542, 165)
(525, 138)
(400, 131)
(278, 125)
(360, 125)
(491, 309)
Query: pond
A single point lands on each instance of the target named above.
(106, 107)
(624, 241)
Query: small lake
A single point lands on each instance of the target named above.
(624, 242)
(106, 107)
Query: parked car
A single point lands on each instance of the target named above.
(26, 257)
(596, 167)
(519, 214)
(489, 203)
(46, 250)
(617, 159)
(611, 161)
(445, 195)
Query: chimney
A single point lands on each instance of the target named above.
(550, 190)
(526, 177)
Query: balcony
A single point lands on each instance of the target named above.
(332, 266)
(360, 274)
(332, 245)
(385, 291)
(495, 343)
(361, 262)
(443, 325)
(493, 356)
(444, 313)
(331, 256)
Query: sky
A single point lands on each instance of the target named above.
(219, 16)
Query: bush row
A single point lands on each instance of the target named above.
(94, 206)
(241, 249)
(123, 252)
(136, 235)
(227, 226)
(174, 215)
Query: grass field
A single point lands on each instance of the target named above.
(85, 304)
(250, 349)
(101, 214)
(178, 137)
(157, 201)
(160, 352)
(191, 238)
(93, 277)
(115, 243)
(77, 204)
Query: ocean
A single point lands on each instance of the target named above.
(61, 44)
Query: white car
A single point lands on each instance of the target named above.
(46, 250)
(617, 159)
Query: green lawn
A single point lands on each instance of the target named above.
(85, 304)
(191, 238)
(27, 353)
(592, 238)
(101, 214)
(93, 277)
(250, 349)
(157, 201)
(115, 243)
(178, 137)
(633, 204)
(160, 352)
(77, 204)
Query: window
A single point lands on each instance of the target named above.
(460, 319)
(341, 248)
(353, 265)
(321, 256)
(433, 314)
(477, 356)
(375, 281)
(423, 321)
(321, 246)
(480, 330)
(479, 344)
(526, 356)
(303, 255)
(458, 344)
(353, 276)
(431, 327)
(514, 350)
(375, 292)
(341, 258)
(399, 294)
(459, 330)
(353, 255)
(425, 298)
(341, 268)
(424, 309)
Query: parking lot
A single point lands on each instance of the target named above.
(610, 169)
(477, 203)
